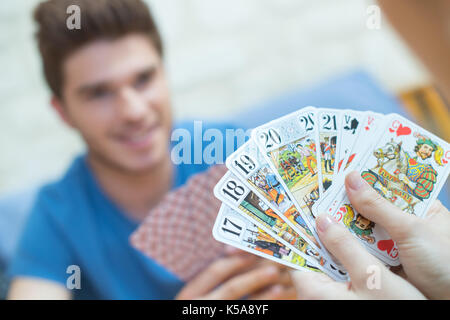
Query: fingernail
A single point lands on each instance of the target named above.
(354, 180)
(324, 221)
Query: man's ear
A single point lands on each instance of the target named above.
(58, 106)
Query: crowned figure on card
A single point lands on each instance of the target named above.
(405, 177)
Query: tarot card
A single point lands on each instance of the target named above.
(294, 136)
(233, 229)
(408, 166)
(348, 134)
(329, 120)
(369, 131)
(369, 234)
(252, 168)
(234, 193)
(177, 232)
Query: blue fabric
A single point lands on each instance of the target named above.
(355, 90)
(74, 223)
(14, 209)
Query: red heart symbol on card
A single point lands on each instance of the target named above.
(403, 131)
(391, 130)
(386, 245)
(367, 128)
(444, 161)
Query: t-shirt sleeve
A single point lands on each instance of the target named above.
(196, 145)
(42, 250)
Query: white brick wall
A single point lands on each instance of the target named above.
(221, 56)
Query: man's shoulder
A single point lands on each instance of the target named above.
(60, 195)
(196, 145)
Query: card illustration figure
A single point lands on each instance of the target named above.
(296, 163)
(405, 168)
(328, 141)
(233, 229)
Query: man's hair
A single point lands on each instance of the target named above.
(100, 19)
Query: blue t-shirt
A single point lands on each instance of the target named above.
(74, 223)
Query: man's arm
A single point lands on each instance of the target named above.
(39, 266)
(27, 288)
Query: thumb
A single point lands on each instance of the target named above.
(360, 264)
(374, 207)
(346, 248)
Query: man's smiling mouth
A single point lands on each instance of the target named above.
(140, 139)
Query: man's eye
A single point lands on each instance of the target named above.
(143, 80)
(99, 93)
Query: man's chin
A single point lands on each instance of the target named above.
(132, 163)
(143, 165)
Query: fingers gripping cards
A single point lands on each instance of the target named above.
(294, 168)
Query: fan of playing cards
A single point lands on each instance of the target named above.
(294, 167)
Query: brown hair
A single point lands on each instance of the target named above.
(100, 19)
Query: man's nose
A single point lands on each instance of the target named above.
(132, 106)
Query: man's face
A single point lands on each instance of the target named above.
(116, 95)
(362, 223)
(425, 151)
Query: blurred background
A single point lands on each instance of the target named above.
(225, 59)
(222, 57)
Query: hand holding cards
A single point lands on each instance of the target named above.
(293, 168)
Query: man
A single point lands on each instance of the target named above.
(274, 184)
(415, 174)
(327, 155)
(362, 227)
(285, 165)
(306, 153)
(421, 177)
(108, 83)
(297, 164)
